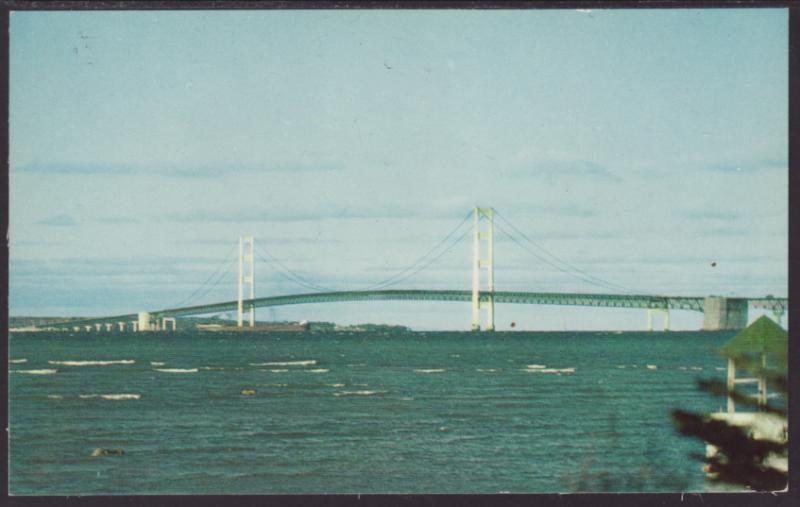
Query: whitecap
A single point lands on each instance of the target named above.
(36, 372)
(550, 370)
(277, 371)
(720, 369)
(157, 363)
(335, 385)
(307, 362)
(274, 385)
(357, 393)
(652, 367)
(177, 370)
(92, 363)
(87, 396)
(18, 361)
(55, 397)
(318, 370)
(487, 370)
(407, 398)
(430, 371)
(697, 368)
(124, 396)
(536, 366)
(621, 366)
(682, 368)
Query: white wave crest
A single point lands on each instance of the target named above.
(36, 372)
(652, 367)
(357, 393)
(92, 363)
(697, 368)
(124, 396)
(275, 385)
(277, 371)
(550, 370)
(55, 397)
(335, 385)
(177, 370)
(536, 366)
(487, 370)
(318, 370)
(18, 361)
(436, 370)
(307, 362)
(157, 363)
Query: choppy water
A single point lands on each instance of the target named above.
(356, 412)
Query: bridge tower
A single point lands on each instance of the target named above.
(247, 275)
(481, 217)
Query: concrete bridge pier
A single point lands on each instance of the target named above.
(721, 313)
(109, 326)
(665, 317)
(121, 326)
(169, 320)
(144, 321)
(134, 325)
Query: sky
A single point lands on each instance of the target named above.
(643, 150)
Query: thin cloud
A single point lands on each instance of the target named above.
(727, 232)
(749, 166)
(282, 215)
(282, 240)
(553, 169)
(219, 171)
(118, 220)
(76, 169)
(119, 266)
(58, 220)
(205, 171)
(561, 211)
(710, 215)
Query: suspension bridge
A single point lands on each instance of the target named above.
(719, 312)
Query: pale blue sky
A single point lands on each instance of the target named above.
(639, 146)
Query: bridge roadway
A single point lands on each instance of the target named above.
(535, 298)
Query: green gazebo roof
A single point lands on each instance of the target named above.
(763, 335)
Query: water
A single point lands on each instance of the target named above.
(356, 412)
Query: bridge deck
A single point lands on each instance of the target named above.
(536, 298)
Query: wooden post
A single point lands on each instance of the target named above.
(762, 382)
(731, 384)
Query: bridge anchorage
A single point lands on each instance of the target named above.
(719, 313)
